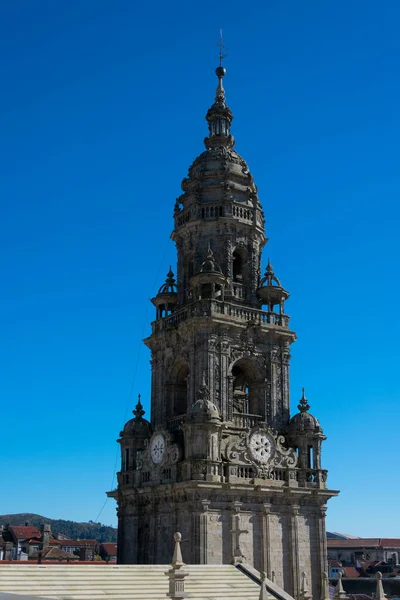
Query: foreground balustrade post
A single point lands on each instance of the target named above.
(340, 594)
(325, 586)
(177, 575)
(379, 594)
(304, 592)
(263, 590)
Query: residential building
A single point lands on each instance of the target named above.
(25, 542)
(108, 551)
(358, 550)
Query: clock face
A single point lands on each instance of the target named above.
(157, 448)
(261, 447)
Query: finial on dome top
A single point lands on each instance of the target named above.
(170, 284)
(170, 275)
(269, 277)
(220, 71)
(221, 53)
(303, 406)
(203, 392)
(219, 116)
(138, 412)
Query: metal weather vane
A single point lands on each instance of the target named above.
(222, 48)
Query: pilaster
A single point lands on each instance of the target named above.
(266, 539)
(294, 550)
(321, 532)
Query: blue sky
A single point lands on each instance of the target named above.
(101, 114)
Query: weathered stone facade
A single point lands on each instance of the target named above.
(221, 460)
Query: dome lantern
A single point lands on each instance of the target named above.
(167, 297)
(270, 292)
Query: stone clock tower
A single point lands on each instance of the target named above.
(221, 460)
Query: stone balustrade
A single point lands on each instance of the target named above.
(218, 471)
(217, 308)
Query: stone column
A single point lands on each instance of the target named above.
(285, 414)
(224, 384)
(321, 541)
(237, 555)
(294, 551)
(121, 533)
(275, 383)
(259, 391)
(131, 539)
(192, 376)
(203, 532)
(317, 454)
(230, 380)
(266, 540)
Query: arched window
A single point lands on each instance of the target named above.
(247, 391)
(179, 390)
(237, 266)
(240, 390)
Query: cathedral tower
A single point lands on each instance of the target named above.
(221, 460)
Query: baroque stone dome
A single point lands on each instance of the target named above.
(303, 421)
(219, 173)
(137, 427)
(203, 409)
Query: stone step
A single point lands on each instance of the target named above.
(124, 582)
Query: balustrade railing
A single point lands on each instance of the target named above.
(175, 423)
(314, 478)
(246, 420)
(239, 291)
(205, 308)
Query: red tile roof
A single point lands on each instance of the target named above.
(110, 548)
(82, 543)
(395, 542)
(51, 553)
(23, 532)
(350, 572)
(364, 543)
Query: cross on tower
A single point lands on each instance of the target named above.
(221, 48)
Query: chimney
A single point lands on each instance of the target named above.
(45, 531)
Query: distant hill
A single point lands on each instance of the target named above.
(85, 531)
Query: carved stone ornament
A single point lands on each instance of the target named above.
(262, 448)
(159, 453)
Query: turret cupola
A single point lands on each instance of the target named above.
(167, 297)
(210, 281)
(133, 437)
(305, 434)
(271, 293)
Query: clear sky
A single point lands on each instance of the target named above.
(101, 113)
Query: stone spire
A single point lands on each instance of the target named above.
(219, 117)
(303, 405)
(138, 411)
